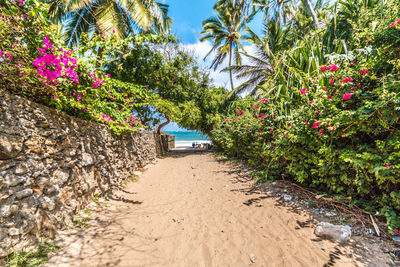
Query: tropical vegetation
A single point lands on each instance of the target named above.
(317, 100)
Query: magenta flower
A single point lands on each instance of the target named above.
(55, 96)
(396, 231)
(346, 80)
(332, 81)
(347, 96)
(323, 68)
(329, 97)
(321, 132)
(303, 91)
(306, 123)
(333, 68)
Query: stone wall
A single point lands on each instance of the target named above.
(51, 166)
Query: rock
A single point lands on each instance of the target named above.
(5, 211)
(12, 180)
(42, 181)
(252, 258)
(10, 146)
(60, 176)
(21, 169)
(339, 233)
(47, 203)
(87, 159)
(24, 193)
(13, 231)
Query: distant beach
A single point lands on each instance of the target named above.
(187, 138)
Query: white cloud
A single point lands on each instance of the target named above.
(200, 49)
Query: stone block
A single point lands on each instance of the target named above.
(24, 193)
(10, 146)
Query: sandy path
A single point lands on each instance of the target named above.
(194, 210)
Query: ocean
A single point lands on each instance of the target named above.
(187, 138)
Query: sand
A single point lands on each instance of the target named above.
(195, 210)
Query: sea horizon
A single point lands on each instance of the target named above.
(187, 138)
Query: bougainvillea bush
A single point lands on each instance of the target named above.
(341, 134)
(35, 64)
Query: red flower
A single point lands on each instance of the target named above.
(347, 96)
(303, 91)
(333, 68)
(323, 68)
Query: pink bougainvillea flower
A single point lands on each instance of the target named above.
(321, 132)
(285, 134)
(329, 97)
(255, 106)
(323, 68)
(324, 89)
(316, 124)
(396, 231)
(364, 71)
(306, 123)
(303, 91)
(347, 96)
(55, 96)
(333, 68)
(290, 125)
(346, 80)
(251, 143)
(332, 81)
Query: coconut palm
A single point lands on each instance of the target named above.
(106, 16)
(264, 56)
(225, 29)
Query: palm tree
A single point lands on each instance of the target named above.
(263, 60)
(106, 16)
(225, 30)
(284, 10)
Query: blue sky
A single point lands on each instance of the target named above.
(188, 16)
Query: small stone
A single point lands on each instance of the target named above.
(87, 159)
(137, 173)
(10, 146)
(5, 211)
(61, 176)
(12, 180)
(13, 231)
(24, 193)
(72, 152)
(42, 181)
(252, 258)
(47, 203)
(21, 169)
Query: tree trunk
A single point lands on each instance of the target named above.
(163, 124)
(313, 15)
(230, 65)
(100, 56)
